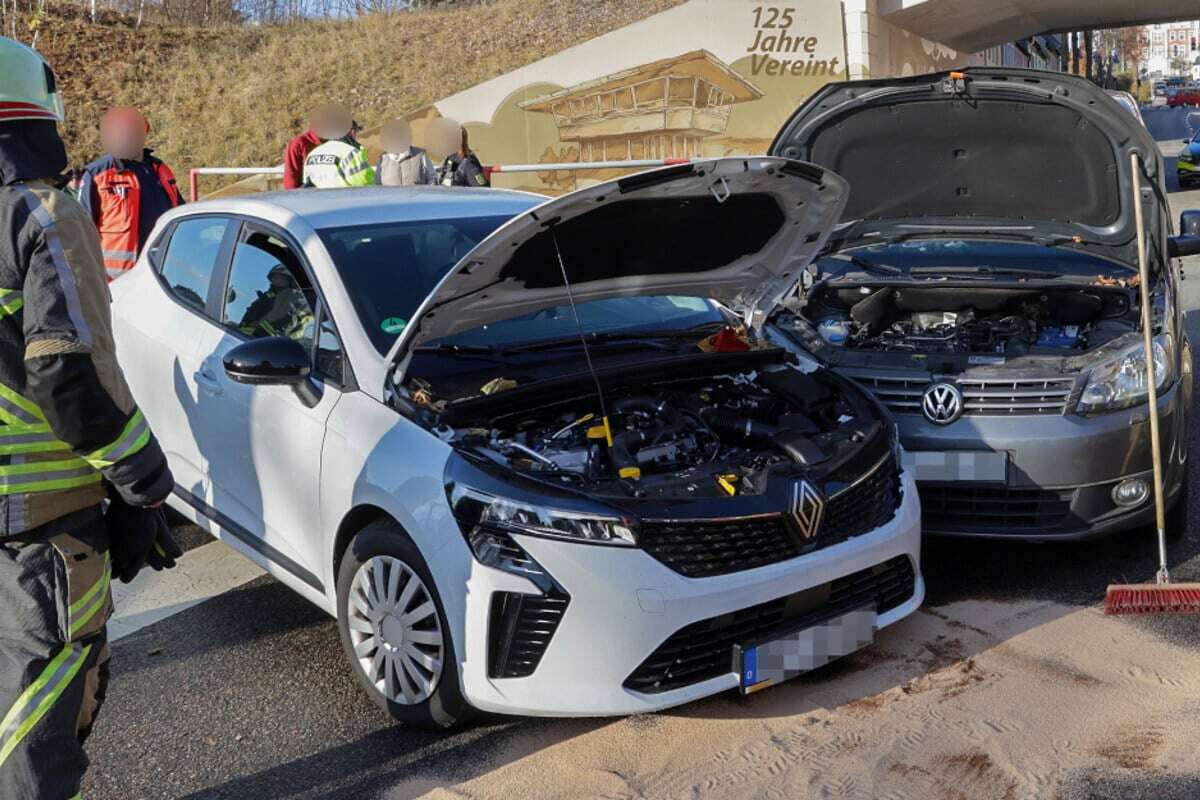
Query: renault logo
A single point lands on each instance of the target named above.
(942, 403)
(806, 509)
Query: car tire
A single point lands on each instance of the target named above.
(383, 551)
(1177, 516)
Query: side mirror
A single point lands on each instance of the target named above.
(1189, 223)
(273, 361)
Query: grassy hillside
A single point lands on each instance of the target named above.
(234, 95)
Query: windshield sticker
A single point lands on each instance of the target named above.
(393, 325)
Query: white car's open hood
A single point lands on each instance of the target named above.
(737, 230)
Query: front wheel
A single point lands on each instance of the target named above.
(394, 630)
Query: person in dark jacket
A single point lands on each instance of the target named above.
(462, 168)
(126, 190)
(70, 433)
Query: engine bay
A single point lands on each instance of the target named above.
(971, 320)
(707, 437)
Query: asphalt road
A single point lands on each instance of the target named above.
(247, 695)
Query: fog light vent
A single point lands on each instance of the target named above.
(1130, 492)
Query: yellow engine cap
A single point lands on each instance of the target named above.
(630, 472)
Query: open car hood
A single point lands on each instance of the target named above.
(737, 230)
(1027, 152)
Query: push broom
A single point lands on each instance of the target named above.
(1162, 596)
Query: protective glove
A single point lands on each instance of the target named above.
(138, 537)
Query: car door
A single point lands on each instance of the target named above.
(264, 454)
(158, 330)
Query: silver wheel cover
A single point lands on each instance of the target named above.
(395, 631)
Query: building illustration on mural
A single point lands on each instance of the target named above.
(663, 109)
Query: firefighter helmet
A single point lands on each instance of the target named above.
(27, 86)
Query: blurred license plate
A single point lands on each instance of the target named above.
(957, 465)
(781, 659)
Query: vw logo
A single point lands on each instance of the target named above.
(942, 403)
(806, 509)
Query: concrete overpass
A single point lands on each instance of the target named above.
(972, 25)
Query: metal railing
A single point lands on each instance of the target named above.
(489, 170)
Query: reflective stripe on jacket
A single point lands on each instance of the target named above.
(67, 418)
(337, 164)
(123, 209)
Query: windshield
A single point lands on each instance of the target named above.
(654, 315)
(390, 268)
(930, 255)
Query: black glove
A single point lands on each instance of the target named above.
(138, 537)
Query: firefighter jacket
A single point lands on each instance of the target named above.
(67, 419)
(125, 199)
(459, 171)
(338, 163)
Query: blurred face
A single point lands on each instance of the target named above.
(330, 121)
(442, 137)
(396, 136)
(123, 133)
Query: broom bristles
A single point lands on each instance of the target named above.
(1150, 598)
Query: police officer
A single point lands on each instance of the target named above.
(69, 431)
(462, 168)
(340, 161)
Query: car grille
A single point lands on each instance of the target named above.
(519, 631)
(704, 649)
(981, 397)
(704, 548)
(965, 508)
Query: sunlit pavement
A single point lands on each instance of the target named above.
(247, 694)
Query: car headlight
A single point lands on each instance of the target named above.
(477, 510)
(1121, 382)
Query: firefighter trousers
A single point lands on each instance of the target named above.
(55, 601)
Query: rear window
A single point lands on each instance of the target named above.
(388, 269)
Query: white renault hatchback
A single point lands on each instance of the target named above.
(525, 453)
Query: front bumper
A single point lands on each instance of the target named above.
(1061, 471)
(624, 604)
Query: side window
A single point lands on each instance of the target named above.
(191, 258)
(329, 358)
(268, 293)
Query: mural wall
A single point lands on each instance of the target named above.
(706, 78)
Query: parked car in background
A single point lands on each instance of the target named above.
(1183, 96)
(1187, 162)
(1128, 102)
(982, 285)
(389, 399)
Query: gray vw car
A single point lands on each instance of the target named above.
(983, 285)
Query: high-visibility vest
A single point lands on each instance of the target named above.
(120, 212)
(337, 164)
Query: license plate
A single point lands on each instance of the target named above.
(784, 658)
(958, 465)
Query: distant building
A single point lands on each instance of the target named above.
(1171, 44)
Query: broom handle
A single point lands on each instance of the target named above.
(1151, 378)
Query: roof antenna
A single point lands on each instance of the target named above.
(587, 354)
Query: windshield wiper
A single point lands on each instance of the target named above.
(986, 272)
(873, 267)
(459, 349)
(636, 338)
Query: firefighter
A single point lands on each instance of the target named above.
(69, 432)
(340, 161)
(127, 189)
(282, 310)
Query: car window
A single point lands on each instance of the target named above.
(329, 358)
(191, 259)
(388, 269)
(268, 292)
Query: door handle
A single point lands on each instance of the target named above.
(206, 380)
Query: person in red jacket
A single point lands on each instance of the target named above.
(126, 190)
(300, 146)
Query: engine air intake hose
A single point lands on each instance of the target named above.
(792, 443)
